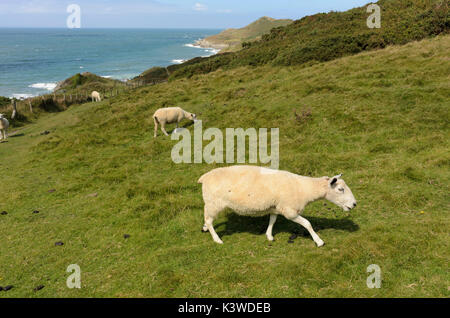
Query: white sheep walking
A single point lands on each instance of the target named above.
(170, 115)
(96, 96)
(256, 191)
(4, 124)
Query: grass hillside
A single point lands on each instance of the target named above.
(88, 82)
(379, 117)
(327, 36)
(232, 39)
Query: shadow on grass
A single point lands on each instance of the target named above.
(16, 135)
(188, 124)
(258, 225)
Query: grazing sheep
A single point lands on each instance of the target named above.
(96, 96)
(4, 124)
(256, 191)
(170, 115)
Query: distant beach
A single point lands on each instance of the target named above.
(33, 61)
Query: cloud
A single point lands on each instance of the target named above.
(200, 7)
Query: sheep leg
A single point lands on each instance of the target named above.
(163, 128)
(273, 218)
(210, 213)
(156, 127)
(307, 225)
(209, 224)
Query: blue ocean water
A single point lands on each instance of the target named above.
(32, 61)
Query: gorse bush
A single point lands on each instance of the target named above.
(77, 80)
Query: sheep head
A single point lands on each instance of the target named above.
(339, 193)
(192, 117)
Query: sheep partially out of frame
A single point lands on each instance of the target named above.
(256, 191)
(4, 125)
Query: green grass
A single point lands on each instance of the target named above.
(380, 117)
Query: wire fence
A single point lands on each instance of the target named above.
(61, 100)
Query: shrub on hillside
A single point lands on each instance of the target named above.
(323, 37)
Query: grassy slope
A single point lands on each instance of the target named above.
(234, 37)
(381, 118)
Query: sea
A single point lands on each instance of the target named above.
(33, 61)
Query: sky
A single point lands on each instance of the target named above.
(214, 14)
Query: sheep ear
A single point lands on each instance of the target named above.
(333, 182)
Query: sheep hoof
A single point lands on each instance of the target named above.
(270, 238)
(218, 241)
(320, 243)
(204, 231)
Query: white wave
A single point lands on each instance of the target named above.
(107, 76)
(178, 61)
(213, 51)
(210, 50)
(193, 45)
(47, 86)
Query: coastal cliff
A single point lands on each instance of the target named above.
(232, 39)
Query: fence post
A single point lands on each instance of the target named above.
(31, 106)
(14, 113)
